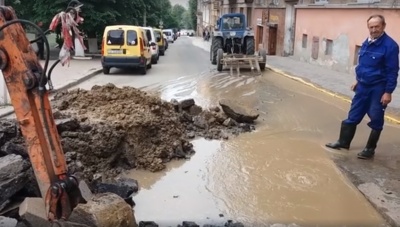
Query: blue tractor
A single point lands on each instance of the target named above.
(233, 37)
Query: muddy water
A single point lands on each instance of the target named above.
(279, 174)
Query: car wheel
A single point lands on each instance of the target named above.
(106, 70)
(143, 70)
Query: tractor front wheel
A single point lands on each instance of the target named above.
(250, 49)
(220, 55)
(215, 46)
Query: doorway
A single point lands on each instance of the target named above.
(272, 40)
(259, 37)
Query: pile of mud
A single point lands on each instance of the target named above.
(108, 129)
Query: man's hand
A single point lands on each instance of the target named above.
(386, 99)
(353, 87)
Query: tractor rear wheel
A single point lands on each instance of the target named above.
(262, 53)
(250, 50)
(216, 44)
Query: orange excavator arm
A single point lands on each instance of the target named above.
(26, 82)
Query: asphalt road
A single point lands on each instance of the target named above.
(182, 59)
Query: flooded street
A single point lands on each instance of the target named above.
(279, 174)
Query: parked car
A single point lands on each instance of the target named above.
(125, 46)
(153, 44)
(160, 41)
(170, 35)
(165, 41)
(190, 32)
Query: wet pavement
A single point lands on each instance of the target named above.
(175, 64)
(282, 173)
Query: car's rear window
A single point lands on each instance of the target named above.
(131, 37)
(158, 35)
(167, 33)
(115, 37)
(148, 34)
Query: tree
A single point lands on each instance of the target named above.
(100, 13)
(187, 20)
(23, 8)
(193, 13)
(178, 12)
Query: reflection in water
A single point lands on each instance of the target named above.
(182, 194)
(278, 174)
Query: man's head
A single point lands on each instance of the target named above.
(40, 23)
(376, 25)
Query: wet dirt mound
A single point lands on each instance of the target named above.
(124, 128)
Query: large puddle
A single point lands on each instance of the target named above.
(278, 174)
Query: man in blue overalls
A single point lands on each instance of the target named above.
(376, 76)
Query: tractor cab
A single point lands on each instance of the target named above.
(232, 22)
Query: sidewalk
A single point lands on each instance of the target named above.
(385, 195)
(64, 77)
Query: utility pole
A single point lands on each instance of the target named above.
(144, 18)
(2, 2)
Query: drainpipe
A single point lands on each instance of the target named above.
(268, 12)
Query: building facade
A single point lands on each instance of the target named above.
(208, 12)
(269, 25)
(330, 33)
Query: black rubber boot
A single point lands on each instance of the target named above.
(369, 150)
(347, 132)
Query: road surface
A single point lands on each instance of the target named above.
(279, 174)
(181, 59)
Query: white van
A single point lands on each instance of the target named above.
(170, 35)
(155, 55)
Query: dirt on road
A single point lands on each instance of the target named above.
(107, 129)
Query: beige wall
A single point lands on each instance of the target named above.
(346, 28)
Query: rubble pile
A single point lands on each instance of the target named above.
(107, 130)
(120, 128)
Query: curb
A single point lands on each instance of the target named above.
(388, 118)
(65, 87)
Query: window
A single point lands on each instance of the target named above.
(115, 37)
(241, 10)
(145, 40)
(232, 22)
(158, 36)
(148, 34)
(329, 47)
(304, 41)
(356, 54)
(131, 37)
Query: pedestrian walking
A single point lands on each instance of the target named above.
(376, 79)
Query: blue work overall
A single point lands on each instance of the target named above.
(376, 74)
